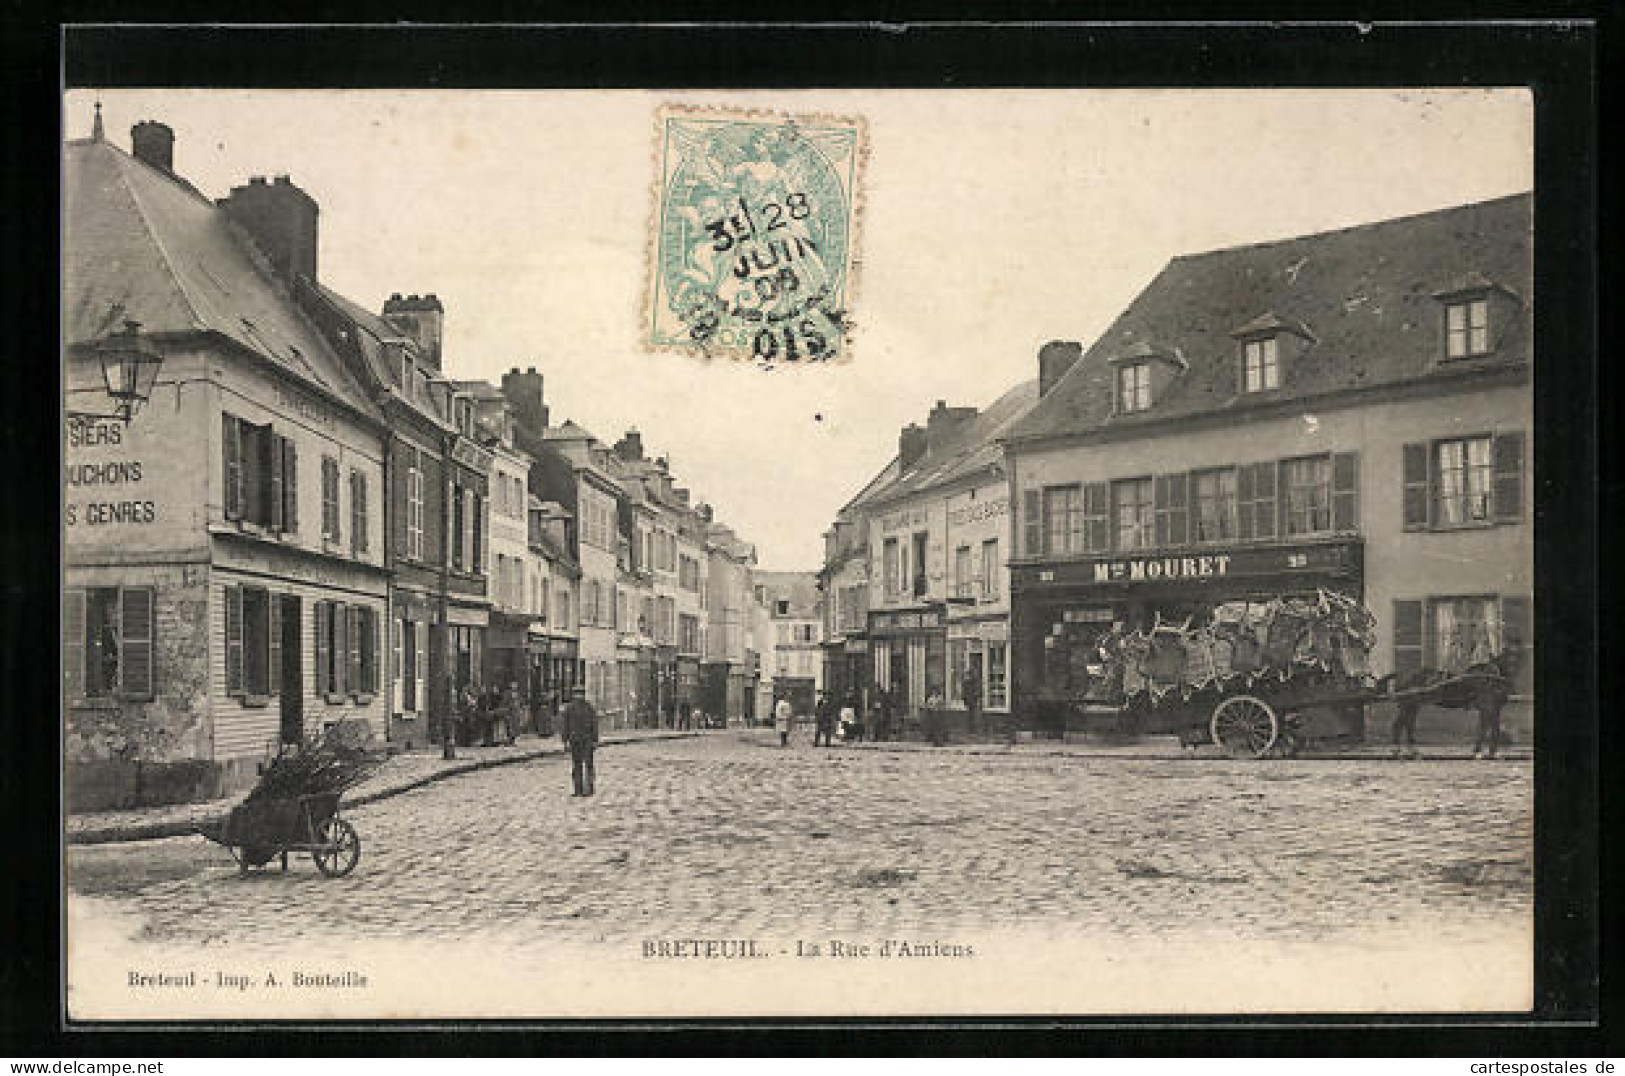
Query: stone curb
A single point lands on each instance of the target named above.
(152, 831)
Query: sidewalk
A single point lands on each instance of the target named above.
(398, 774)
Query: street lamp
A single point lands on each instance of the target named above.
(129, 370)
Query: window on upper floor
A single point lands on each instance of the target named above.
(1133, 513)
(990, 568)
(917, 564)
(1466, 328)
(891, 568)
(1260, 364)
(1213, 495)
(1306, 488)
(330, 499)
(1133, 387)
(260, 472)
(1464, 481)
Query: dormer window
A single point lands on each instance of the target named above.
(1141, 373)
(1260, 364)
(1133, 387)
(1466, 328)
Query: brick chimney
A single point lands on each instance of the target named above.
(524, 393)
(630, 446)
(910, 447)
(1054, 360)
(153, 144)
(943, 423)
(420, 317)
(281, 219)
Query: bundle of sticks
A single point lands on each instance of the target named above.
(322, 766)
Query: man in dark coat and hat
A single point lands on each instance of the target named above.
(581, 736)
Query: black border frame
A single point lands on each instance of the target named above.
(1557, 59)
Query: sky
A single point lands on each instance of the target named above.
(992, 222)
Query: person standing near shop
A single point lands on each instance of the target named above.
(824, 712)
(581, 736)
(970, 689)
(782, 717)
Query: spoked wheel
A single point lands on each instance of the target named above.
(1245, 726)
(341, 849)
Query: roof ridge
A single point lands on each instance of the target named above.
(1408, 218)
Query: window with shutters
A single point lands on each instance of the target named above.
(1255, 501)
(476, 537)
(358, 511)
(1307, 494)
(917, 565)
(1463, 482)
(996, 676)
(330, 499)
(459, 525)
(108, 635)
(259, 475)
(253, 643)
(1467, 329)
(1133, 514)
(333, 650)
(363, 684)
(1213, 496)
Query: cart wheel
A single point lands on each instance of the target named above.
(342, 849)
(1244, 726)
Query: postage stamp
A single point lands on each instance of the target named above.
(754, 234)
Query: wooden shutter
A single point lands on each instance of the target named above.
(1096, 537)
(355, 512)
(1032, 521)
(1346, 491)
(234, 640)
(1265, 500)
(352, 638)
(324, 656)
(374, 648)
(273, 642)
(1517, 638)
(1244, 502)
(271, 446)
(73, 643)
(1416, 474)
(232, 469)
(135, 642)
(1507, 456)
(1407, 636)
(290, 486)
(477, 543)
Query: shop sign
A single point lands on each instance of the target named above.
(989, 630)
(296, 567)
(1198, 568)
(907, 519)
(975, 513)
(913, 620)
(470, 455)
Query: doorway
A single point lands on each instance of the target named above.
(292, 671)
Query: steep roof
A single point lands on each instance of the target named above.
(1366, 295)
(139, 243)
(971, 447)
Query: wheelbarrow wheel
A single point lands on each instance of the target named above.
(341, 848)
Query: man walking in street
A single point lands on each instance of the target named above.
(581, 736)
(782, 716)
(825, 714)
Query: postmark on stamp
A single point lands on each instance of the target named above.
(753, 251)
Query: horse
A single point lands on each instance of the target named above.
(1483, 686)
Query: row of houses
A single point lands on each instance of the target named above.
(1348, 411)
(310, 521)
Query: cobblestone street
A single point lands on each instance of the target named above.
(727, 835)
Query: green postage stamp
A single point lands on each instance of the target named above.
(754, 234)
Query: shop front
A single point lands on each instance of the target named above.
(979, 662)
(507, 659)
(908, 651)
(846, 670)
(1061, 610)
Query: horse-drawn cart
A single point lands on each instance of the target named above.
(1251, 675)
